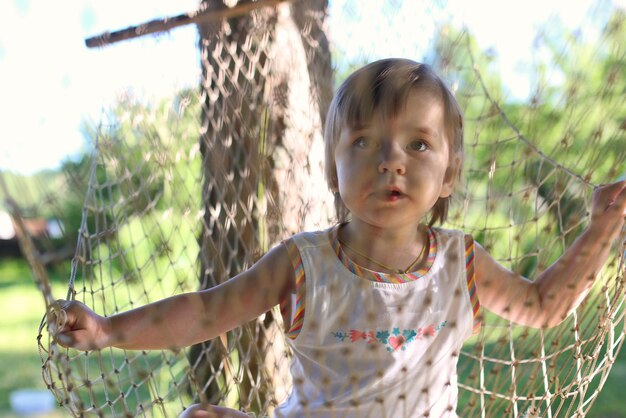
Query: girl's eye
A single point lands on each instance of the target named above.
(417, 145)
(365, 143)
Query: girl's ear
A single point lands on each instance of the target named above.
(450, 177)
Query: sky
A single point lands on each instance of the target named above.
(50, 82)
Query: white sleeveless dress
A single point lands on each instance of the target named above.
(372, 349)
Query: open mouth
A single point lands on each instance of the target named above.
(394, 195)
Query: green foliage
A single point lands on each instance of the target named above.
(580, 109)
(533, 165)
(144, 201)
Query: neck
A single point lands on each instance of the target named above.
(373, 247)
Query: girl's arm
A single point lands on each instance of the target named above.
(185, 319)
(547, 300)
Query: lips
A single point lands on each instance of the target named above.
(395, 197)
(393, 194)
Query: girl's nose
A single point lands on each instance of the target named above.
(392, 159)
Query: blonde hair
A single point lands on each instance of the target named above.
(383, 87)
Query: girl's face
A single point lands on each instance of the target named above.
(391, 172)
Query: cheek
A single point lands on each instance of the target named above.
(345, 169)
(346, 179)
(352, 180)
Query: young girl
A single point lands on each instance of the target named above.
(380, 304)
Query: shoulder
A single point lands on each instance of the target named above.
(448, 232)
(274, 262)
(451, 238)
(309, 239)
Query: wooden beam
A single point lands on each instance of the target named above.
(203, 14)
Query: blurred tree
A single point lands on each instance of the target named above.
(266, 85)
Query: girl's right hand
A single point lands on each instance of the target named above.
(77, 326)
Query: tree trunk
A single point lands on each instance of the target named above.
(265, 88)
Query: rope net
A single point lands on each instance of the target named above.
(187, 193)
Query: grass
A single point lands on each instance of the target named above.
(23, 307)
(20, 364)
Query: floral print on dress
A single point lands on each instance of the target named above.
(393, 340)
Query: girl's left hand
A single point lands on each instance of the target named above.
(75, 325)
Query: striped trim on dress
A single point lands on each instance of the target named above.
(298, 268)
(471, 281)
